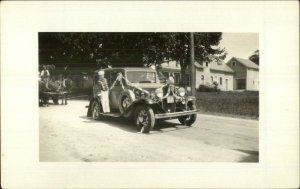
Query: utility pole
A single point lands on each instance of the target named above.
(192, 65)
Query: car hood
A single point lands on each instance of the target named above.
(148, 86)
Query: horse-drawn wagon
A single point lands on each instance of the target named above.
(53, 89)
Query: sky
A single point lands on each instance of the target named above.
(240, 45)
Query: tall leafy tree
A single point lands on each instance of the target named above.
(255, 57)
(127, 49)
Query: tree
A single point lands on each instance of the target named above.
(127, 49)
(255, 57)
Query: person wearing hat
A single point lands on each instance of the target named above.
(102, 88)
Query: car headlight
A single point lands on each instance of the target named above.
(159, 93)
(181, 91)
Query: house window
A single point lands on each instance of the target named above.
(233, 63)
(202, 77)
(212, 79)
(220, 80)
(206, 64)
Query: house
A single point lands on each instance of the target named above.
(210, 72)
(206, 74)
(246, 74)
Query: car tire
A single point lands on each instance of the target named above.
(144, 119)
(96, 109)
(188, 120)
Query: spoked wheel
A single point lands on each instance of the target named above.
(144, 119)
(96, 110)
(188, 119)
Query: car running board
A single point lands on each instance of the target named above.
(111, 114)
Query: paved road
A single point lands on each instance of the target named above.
(66, 134)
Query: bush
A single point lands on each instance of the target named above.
(233, 103)
(209, 87)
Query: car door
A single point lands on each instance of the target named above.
(116, 90)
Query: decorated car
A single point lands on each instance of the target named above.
(137, 93)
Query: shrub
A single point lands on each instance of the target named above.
(234, 103)
(209, 87)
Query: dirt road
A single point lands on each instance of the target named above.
(66, 134)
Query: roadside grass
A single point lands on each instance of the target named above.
(235, 104)
(231, 104)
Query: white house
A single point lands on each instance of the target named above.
(206, 73)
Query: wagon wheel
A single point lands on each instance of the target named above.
(55, 99)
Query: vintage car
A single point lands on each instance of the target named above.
(137, 93)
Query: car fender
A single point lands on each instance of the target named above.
(143, 101)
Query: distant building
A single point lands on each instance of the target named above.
(236, 74)
(208, 73)
(246, 74)
(172, 68)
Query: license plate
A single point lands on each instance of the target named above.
(170, 99)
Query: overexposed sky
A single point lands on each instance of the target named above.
(241, 45)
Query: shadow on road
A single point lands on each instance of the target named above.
(165, 126)
(127, 125)
(120, 123)
(253, 156)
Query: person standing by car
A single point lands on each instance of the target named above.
(103, 90)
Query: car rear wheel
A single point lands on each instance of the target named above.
(96, 110)
(188, 120)
(144, 119)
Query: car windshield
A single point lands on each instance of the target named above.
(141, 76)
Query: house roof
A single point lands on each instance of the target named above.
(216, 67)
(213, 66)
(220, 67)
(247, 63)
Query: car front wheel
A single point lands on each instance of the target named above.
(144, 119)
(188, 120)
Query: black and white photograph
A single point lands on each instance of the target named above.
(148, 97)
(149, 94)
